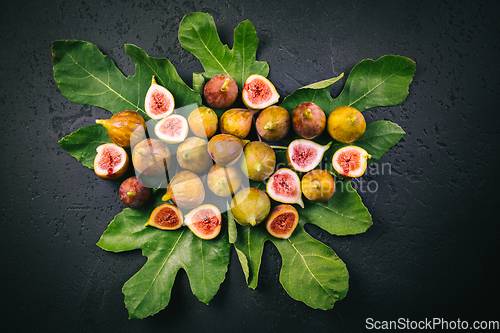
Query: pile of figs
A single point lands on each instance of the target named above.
(203, 156)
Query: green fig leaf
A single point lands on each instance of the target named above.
(148, 291)
(198, 35)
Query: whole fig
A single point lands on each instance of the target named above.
(132, 193)
(225, 149)
(237, 122)
(122, 126)
(317, 185)
(346, 124)
(203, 122)
(259, 160)
(221, 91)
(273, 123)
(192, 154)
(151, 157)
(185, 190)
(250, 206)
(308, 120)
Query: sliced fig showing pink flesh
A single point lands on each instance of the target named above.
(204, 221)
(350, 161)
(284, 186)
(258, 92)
(111, 161)
(165, 217)
(304, 155)
(159, 101)
(282, 221)
(172, 129)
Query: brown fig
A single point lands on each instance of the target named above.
(204, 221)
(317, 185)
(192, 155)
(250, 206)
(223, 181)
(225, 149)
(258, 161)
(203, 122)
(132, 193)
(346, 124)
(122, 126)
(237, 122)
(273, 123)
(111, 161)
(185, 190)
(165, 217)
(221, 91)
(308, 120)
(151, 157)
(282, 221)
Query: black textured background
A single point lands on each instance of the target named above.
(433, 249)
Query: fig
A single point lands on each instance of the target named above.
(166, 217)
(304, 155)
(282, 221)
(317, 185)
(346, 124)
(250, 206)
(121, 126)
(185, 190)
(350, 161)
(111, 161)
(203, 122)
(221, 91)
(159, 101)
(151, 157)
(258, 92)
(204, 221)
(223, 181)
(284, 186)
(225, 149)
(258, 160)
(192, 155)
(237, 122)
(308, 120)
(172, 129)
(132, 193)
(273, 123)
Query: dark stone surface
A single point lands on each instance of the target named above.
(432, 251)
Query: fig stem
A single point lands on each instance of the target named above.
(103, 122)
(270, 125)
(224, 86)
(168, 195)
(279, 147)
(307, 113)
(252, 222)
(131, 193)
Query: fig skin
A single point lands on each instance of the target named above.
(203, 122)
(308, 120)
(132, 193)
(258, 161)
(282, 221)
(151, 157)
(273, 123)
(250, 206)
(121, 126)
(166, 217)
(350, 161)
(317, 185)
(223, 181)
(225, 149)
(185, 190)
(221, 91)
(258, 92)
(192, 155)
(237, 122)
(204, 221)
(346, 124)
(111, 161)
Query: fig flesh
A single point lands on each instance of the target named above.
(304, 155)
(122, 126)
(259, 160)
(151, 157)
(350, 161)
(237, 122)
(346, 124)
(192, 155)
(317, 185)
(250, 206)
(203, 122)
(172, 129)
(284, 186)
(273, 123)
(223, 181)
(111, 161)
(258, 92)
(132, 193)
(204, 221)
(166, 217)
(308, 120)
(282, 221)
(159, 101)
(225, 149)
(185, 190)
(221, 91)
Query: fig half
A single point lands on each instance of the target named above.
(308, 120)
(159, 101)
(185, 190)
(203, 122)
(346, 124)
(132, 193)
(250, 206)
(172, 129)
(284, 186)
(221, 91)
(166, 217)
(204, 221)
(111, 161)
(259, 160)
(304, 155)
(122, 126)
(258, 92)
(273, 123)
(317, 185)
(237, 122)
(350, 161)
(282, 221)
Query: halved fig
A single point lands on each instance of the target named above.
(258, 161)
(273, 123)
(159, 101)
(221, 91)
(250, 206)
(185, 190)
(317, 185)
(223, 181)
(237, 122)
(204, 221)
(203, 122)
(350, 161)
(111, 161)
(132, 193)
(172, 129)
(192, 155)
(151, 157)
(304, 155)
(166, 217)
(284, 186)
(308, 120)
(282, 221)
(346, 124)
(122, 126)
(225, 149)
(258, 92)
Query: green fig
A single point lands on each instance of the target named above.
(258, 160)
(192, 155)
(250, 206)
